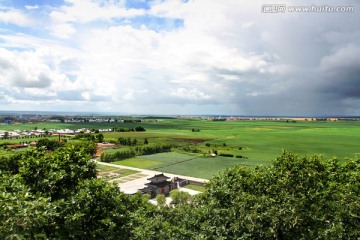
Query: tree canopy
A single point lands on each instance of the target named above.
(56, 195)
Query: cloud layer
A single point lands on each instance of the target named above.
(180, 57)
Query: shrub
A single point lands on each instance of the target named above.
(226, 155)
(161, 199)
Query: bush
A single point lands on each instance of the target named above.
(161, 199)
(140, 129)
(151, 149)
(180, 197)
(118, 155)
(226, 155)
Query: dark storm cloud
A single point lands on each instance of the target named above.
(341, 73)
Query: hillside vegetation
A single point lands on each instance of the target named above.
(56, 195)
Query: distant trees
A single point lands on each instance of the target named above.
(140, 129)
(50, 145)
(132, 152)
(152, 148)
(118, 155)
(136, 129)
(86, 136)
(226, 155)
(127, 141)
(6, 135)
(99, 137)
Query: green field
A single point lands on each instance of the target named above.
(184, 164)
(257, 142)
(195, 187)
(110, 173)
(261, 141)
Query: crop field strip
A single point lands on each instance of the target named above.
(258, 142)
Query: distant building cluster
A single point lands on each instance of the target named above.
(36, 118)
(19, 118)
(41, 132)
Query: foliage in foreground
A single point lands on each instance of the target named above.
(57, 196)
(295, 198)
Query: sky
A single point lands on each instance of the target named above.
(193, 57)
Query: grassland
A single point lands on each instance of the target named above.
(258, 142)
(112, 172)
(184, 164)
(195, 187)
(261, 141)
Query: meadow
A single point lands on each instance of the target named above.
(257, 142)
(183, 164)
(260, 141)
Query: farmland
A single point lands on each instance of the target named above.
(253, 142)
(260, 141)
(183, 164)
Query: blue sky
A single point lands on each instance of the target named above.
(179, 57)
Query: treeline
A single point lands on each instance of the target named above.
(118, 155)
(90, 137)
(135, 151)
(127, 141)
(136, 129)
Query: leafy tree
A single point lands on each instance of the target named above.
(140, 129)
(88, 147)
(161, 199)
(57, 196)
(10, 163)
(98, 210)
(86, 136)
(100, 137)
(22, 215)
(118, 155)
(50, 145)
(168, 222)
(179, 197)
(295, 198)
(55, 175)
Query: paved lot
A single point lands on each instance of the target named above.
(132, 183)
